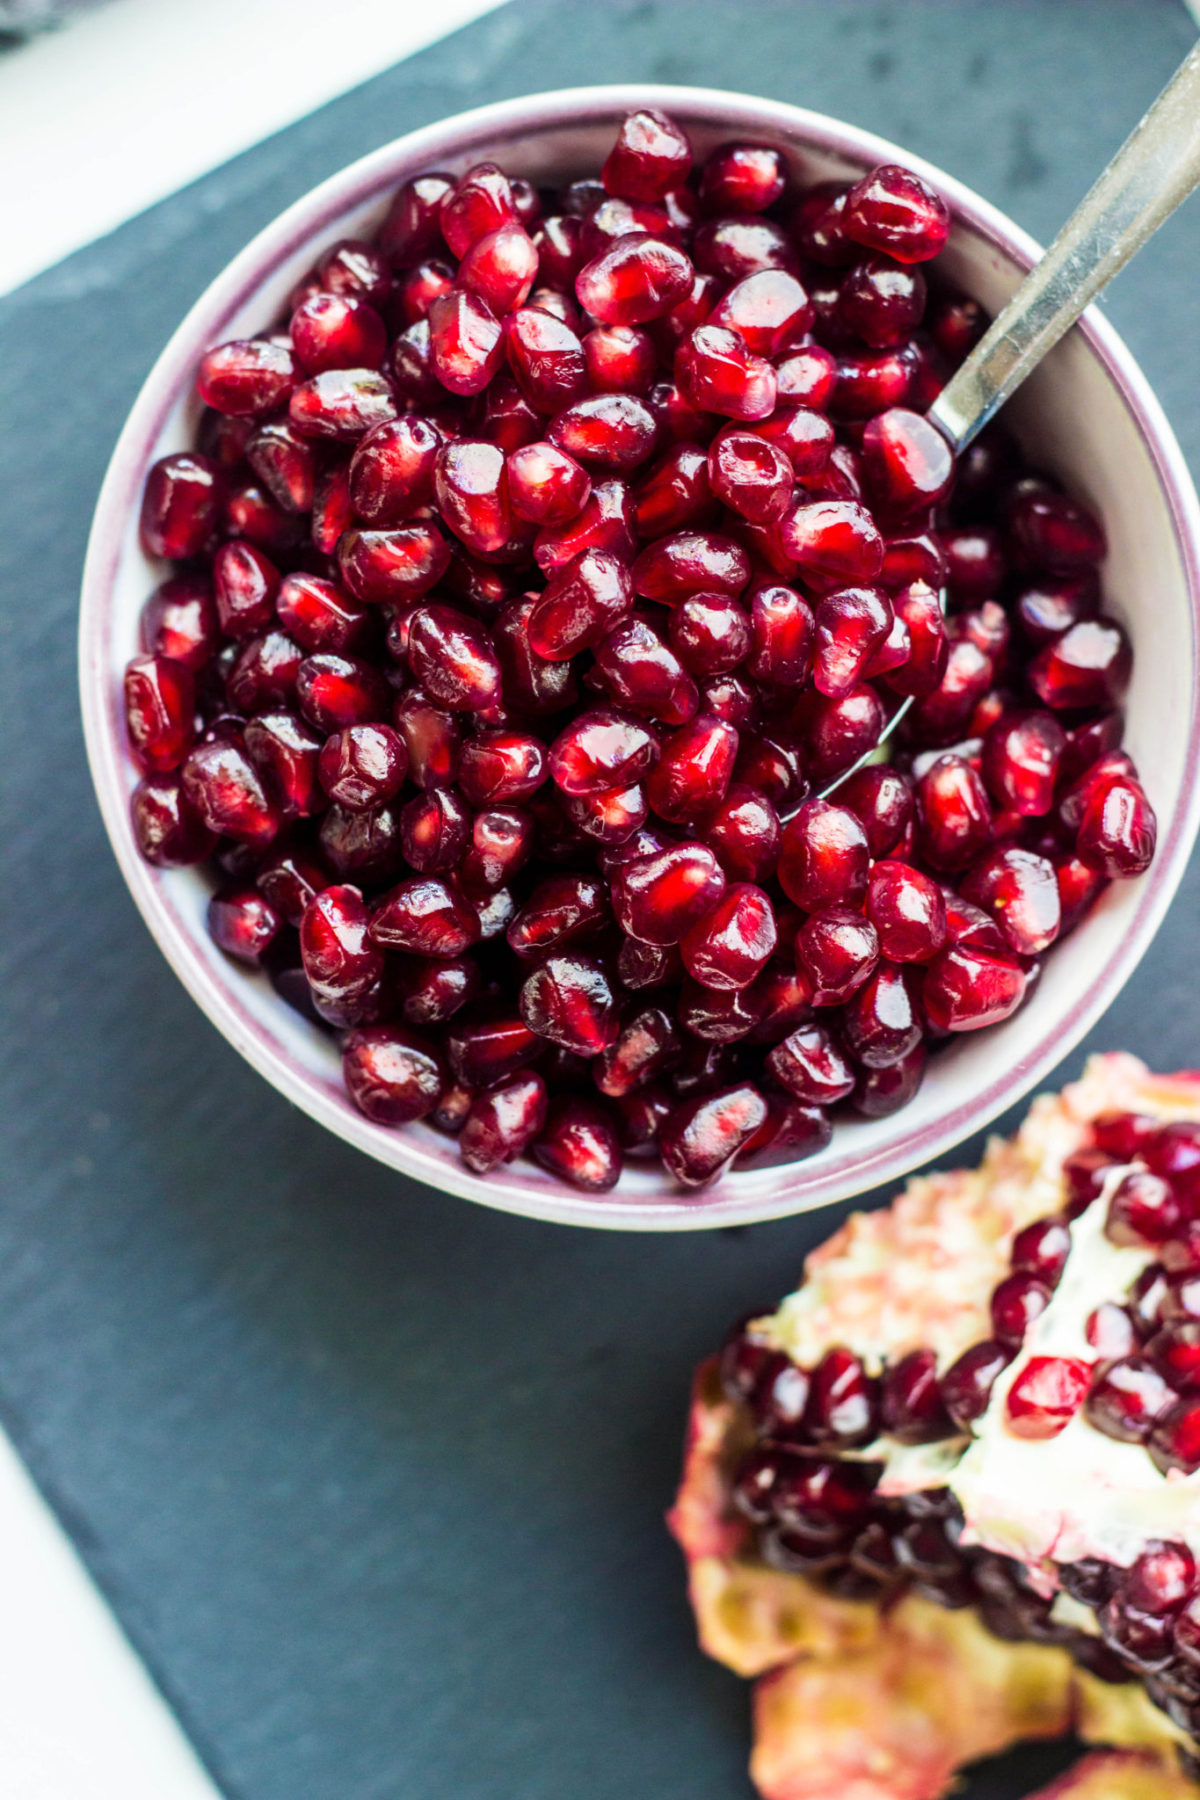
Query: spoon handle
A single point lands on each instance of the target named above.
(1154, 170)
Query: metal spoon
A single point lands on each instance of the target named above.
(1155, 169)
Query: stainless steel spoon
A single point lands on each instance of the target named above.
(1155, 169)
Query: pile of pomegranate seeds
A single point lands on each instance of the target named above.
(535, 577)
(814, 1506)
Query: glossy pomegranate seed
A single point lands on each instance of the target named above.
(1110, 1331)
(1046, 1395)
(647, 1044)
(545, 484)
(838, 729)
(908, 912)
(547, 359)
(1144, 1209)
(425, 917)
(751, 476)
(466, 342)
(245, 585)
(600, 750)
(719, 1015)
(892, 210)
(604, 524)
(658, 897)
(579, 1144)
(805, 378)
(1175, 1351)
(728, 946)
(499, 268)
(286, 752)
(743, 834)
(1173, 1151)
(503, 1121)
(966, 1386)
(642, 674)
(285, 463)
(481, 202)
(471, 487)
(568, 1000)
(1042, 1250)
(769, 310)
(911, 1406)
(1020, 891)
(391, 471)
(823, 857)
(1126, 1397)
(580, 606)
(737, 246)
(836, 950)
(179, 622)
(396, 566)
(694, 768)
(882, 800)
(1087, 666)
(881, 301)
(835, 542)
(181, 505)
(710, 634)
(966, 990)
(431, 738)
(340, 962)
(342, 404)
(638, 278)
(606, 431)
(879, 1022)
(843, 1404)
(224, 787)
(168, 829)
(337, 331)
(676, 493)
(500, 766)
(717, 373)
(650, 157)
(907, 462)
(1016, 1302)
(701, 1136)
(363, 765)
(391, 1075)
(1175, 1440)
(811, 1067)
(453, 660)
(743, 178)
(336, 691)
(954, 819)
(246, 378)
(435, 828)
(1021, 755)
(501, 843)
(413, 222)
(852, 624)
(1118, 831)
(878, 1093)
(159, 712)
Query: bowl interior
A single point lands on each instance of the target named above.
(1086, 414)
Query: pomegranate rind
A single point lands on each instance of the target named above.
(1119, 1775)
(898, 1718)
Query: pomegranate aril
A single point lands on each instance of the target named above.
(1143, 1210)
(1019, 889)
(1021, 755)
(580, 1145)
(1046, 1395)
(1119, 831)
(247, 377)
(181, 505)
(605, 524)
(701, 1136)
(391, 1075)
(743, 178)
(500, 268)
(1175, 1352)
(1087, 666)
(340, 961)
(287, 752)
(837, 949)
(954, 819)
(501, 843)
(881, 300)
(223, 785)
(1016, 1303)
(636, 279)
(466, 342)
(605, 431)
(823, 856)
(650, 157)
(894, 211)
(159, 712)
(810, 1066)
(424, 916)
(434, 829)
(966, 989)
(717, 373)
(907, 463)
(660, 896)
(693, 770)
(392, 470)
(364, 845)
(1042, 1249)
(750, 475)
(568, 1000)
(878, 1093)
(363, 765)
(880, 1023)
(911, 1407)
(647, 1044)
(1126, 1397)
(179, 622)
(769, 310)
(728, 947)
(545, 484)
(336, 691)
(835, 542)
(1110, 1331)
(502, 1122)
(342, 404)
(852, 624)
(481, 201)
(1175, 1440)
(966, 1386)
(1174, 1152)
(169, 831)
(337, 331)
(737, 246)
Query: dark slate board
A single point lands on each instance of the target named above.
(375, 1478)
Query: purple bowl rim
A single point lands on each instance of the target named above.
(369, 178)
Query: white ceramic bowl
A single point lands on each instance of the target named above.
(1090, 415)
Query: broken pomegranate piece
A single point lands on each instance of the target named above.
(945, 1496)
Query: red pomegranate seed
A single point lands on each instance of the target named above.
(1016, 1302)
(1020, 891)
(605, 524)
(824, 857)
(1175, 1351)
(363, 846)
(451, 657)
(471, 487)
(717, 373)
(1042, 1250)
(967, 989)
(770, 311)
(811, 1067)
(391, 1075)
(881, 300)
(500, 268)
(882, 800)
(285, 463)
(337, 331)
(749, 475)
(1175, 1440)
(1173, 1151)
(580, 605)
(503, 1121)
(1118, 831)
(835, 542)
(650, 157)
(342, 404)
(837, 730)
(805, 378)
(481, 201)
(836, 951)
(600, 750)
(265, 672)
(1087, 666)
(501, 843)
(967, 1384)
(892, 210)
(1144, 1209)
(1046, 1395)
(647, 1044)
(636, 279)
(675, 493)
(880, 1092)
(911, 1406)
(246, 378)
(179, 622)
(568, 1000)
(159, 712)
(743, 178)
(169, 831)
(954, 820)
(694, 768)
(547, 359)
(425, 917)
(435, 828)
(545, 484)
(466, 342)
(181, 506)
(907, 462)
(363, 765)
(843, 1403)
(743, 834)
(879, 1022)
(286, 752)
(336, 691)
(737, 246)
(579, 1144)
(710, 634)
(700, 1137)
(606, 431)
(391, 471)
(1126, 1397)
(728, 947)
(641, 673)
(908, 912)
(851, 626)
(1110, 1331)
(1021, 755)
(658, 897)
